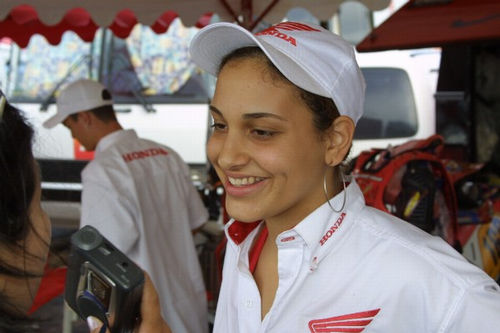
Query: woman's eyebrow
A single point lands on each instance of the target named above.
(257, 115)
(214, 109)
(253, 115)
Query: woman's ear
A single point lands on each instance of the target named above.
(338, 140)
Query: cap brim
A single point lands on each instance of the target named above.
(54, 120)
(217, 40)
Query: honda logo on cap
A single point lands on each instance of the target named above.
(287, 26)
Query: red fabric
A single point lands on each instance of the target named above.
(414, 26)
(238, 231)
(22, 22)
(376, 168)
(51, 286)
(253, 256)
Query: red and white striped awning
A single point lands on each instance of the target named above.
(51, 18)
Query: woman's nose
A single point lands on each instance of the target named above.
(232, 153)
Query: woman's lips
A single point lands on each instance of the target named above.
(242, 186)
(244, 180)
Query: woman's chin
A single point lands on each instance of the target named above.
(243, 214)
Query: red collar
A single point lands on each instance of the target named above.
(238, 231)
(253, 256)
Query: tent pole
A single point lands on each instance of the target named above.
(247, 14)
(264, 13)
(230, 10)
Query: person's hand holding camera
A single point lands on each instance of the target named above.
(151, 321)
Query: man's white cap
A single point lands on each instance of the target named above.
(78, 96)
(308, 55)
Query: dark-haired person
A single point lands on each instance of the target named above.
(139, 195)
(284, 111)
(24, 227)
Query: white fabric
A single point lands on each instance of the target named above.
(78, 96)
(373, 271)
(139, 195)
(308, 55)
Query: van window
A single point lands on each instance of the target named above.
(390, 110)
(33, 73)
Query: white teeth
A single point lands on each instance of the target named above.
(244, 181)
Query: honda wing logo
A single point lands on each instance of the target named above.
(293, 26)
(287, 26)
(352, 323)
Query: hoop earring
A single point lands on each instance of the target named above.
(328, 200)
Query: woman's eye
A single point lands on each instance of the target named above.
(263, 133)
(218, 127)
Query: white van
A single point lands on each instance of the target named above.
(399, 103)
(182, 126)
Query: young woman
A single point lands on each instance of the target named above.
(25, 231)
(304, 253)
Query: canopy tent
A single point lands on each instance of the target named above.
(427, 23)
(52, 18)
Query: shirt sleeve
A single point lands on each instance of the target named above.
(478, 310)
(198, 213)
(110, 213)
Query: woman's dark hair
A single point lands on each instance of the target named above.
(18, 182)
(17, 176)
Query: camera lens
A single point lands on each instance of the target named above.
(87, 238)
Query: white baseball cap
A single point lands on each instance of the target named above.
(78, 96)
(308, 55)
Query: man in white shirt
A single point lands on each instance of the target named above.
(139, 195)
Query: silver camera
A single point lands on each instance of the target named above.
(103, 282)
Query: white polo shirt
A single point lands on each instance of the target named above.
(139, 195)
(358, 270)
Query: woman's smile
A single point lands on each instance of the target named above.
(244, 181)
(244, 186)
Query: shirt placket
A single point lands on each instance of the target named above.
(248, 306)
(290, 258)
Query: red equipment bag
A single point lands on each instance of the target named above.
(410, 181)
